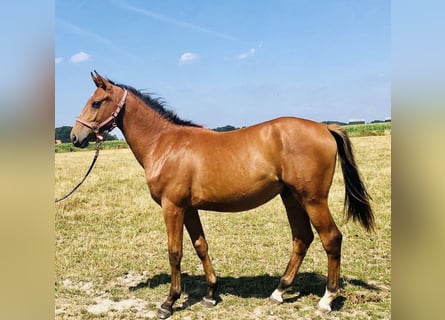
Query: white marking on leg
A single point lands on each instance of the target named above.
(325, 302)
(277, 295)
(209, 302)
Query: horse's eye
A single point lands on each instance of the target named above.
(96, 104)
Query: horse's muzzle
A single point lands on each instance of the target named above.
(80, 143)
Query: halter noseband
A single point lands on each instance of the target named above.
(96, 126)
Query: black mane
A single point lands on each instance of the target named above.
(158, 105)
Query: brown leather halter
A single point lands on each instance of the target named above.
(96, 126)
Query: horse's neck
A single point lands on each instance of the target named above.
(141, 127)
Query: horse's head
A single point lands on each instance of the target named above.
(99, 113)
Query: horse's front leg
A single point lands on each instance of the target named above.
(174, 221)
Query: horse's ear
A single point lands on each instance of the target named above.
(100, 81)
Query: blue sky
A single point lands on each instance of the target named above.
(230, 62)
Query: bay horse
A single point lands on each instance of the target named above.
(188, 167)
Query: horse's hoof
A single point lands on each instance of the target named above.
(164, 313)
(208, 303)
(276, 297)
(319, 310)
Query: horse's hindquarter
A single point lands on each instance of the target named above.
(308, 157)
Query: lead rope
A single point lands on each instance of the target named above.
(98, 144)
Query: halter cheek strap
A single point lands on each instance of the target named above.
(97, 126)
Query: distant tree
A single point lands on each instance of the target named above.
(225, 128)
(334, 122)
(63, 133)
(111, 137)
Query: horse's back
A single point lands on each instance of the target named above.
(289, 136)
(268, 148)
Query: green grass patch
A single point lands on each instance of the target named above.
(369, 129)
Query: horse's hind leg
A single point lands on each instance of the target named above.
(331, 239)
(194, 227)
(302, 237)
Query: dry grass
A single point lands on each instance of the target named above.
(111, 249)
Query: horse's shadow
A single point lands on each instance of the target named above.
(260, 286)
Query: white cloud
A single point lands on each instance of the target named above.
(59, 60)
(187, 57)
(80, 57)
(245, 55)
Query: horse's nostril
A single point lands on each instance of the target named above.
(74, 139)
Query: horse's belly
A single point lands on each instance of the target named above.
(227, 199)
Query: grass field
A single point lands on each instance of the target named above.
(111, 249)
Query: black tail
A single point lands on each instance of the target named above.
(356, 197)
